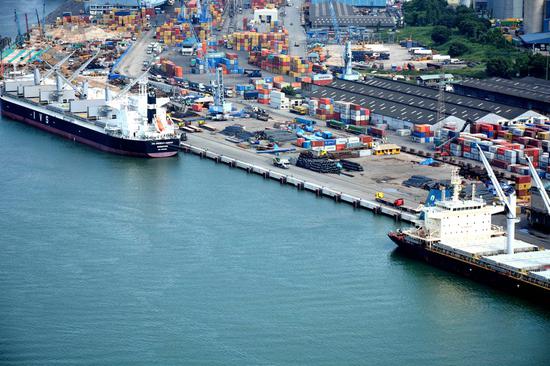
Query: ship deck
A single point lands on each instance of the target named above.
(527, 261)
(490, 247)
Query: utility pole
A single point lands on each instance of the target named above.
(441, 98)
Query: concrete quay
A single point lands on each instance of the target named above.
(320, 184)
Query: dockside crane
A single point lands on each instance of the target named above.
(44, 18)
(38, 21)
(19, 38)
(508, 201)
(56, 67)
(335, 25)
(539, 185)
(128, 87)
(28, 34)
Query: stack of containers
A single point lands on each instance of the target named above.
(275, 42)
(240, 89)
(325, 109)
(351, 113)
(171, 34)
(312, 105)
(260, 4)
(523, 186)
(263, 96)
(422, 134)
(279, 100)
(299, 66)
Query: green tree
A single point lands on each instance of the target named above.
(500, 66)
(424, 12)
(441, 34)
(457, 48)
(495, 38)
(472, 28)
(537, 65)
(289, 91)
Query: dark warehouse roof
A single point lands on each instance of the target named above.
(319, 15)
(528, 87)
(411, 102)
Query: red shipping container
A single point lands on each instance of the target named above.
(317, 143)
(523, 179)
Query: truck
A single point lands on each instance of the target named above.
(379, 197)
(250, 94)
(281, 162)
(299, 109)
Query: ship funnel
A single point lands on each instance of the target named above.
(36, 76)
(151, 105)
(107, 94)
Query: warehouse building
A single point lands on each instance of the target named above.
(347, 15)
(103, 6)
(402, 105)
(526, 93)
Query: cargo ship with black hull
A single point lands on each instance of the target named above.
(125, 124)
(458, 235)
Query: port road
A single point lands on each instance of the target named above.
(132, 63)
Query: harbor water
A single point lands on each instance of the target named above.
(110, 260)
(8, 27)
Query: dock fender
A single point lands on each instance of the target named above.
(282, 180)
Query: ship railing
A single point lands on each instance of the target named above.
(499, 230)
(517, 274)
(53, 109)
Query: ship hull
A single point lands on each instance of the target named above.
(475, 272)
(88, 136)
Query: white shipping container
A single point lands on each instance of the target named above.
(330, 148)
(365, 153)
(353, 139)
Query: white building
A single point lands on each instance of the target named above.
(266, 15)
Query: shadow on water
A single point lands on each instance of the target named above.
(430, 275)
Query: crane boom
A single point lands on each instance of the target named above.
(494, 180)
(57, 66)
(129, 86)
(539, 185)
(83, 67)
(509, 204)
